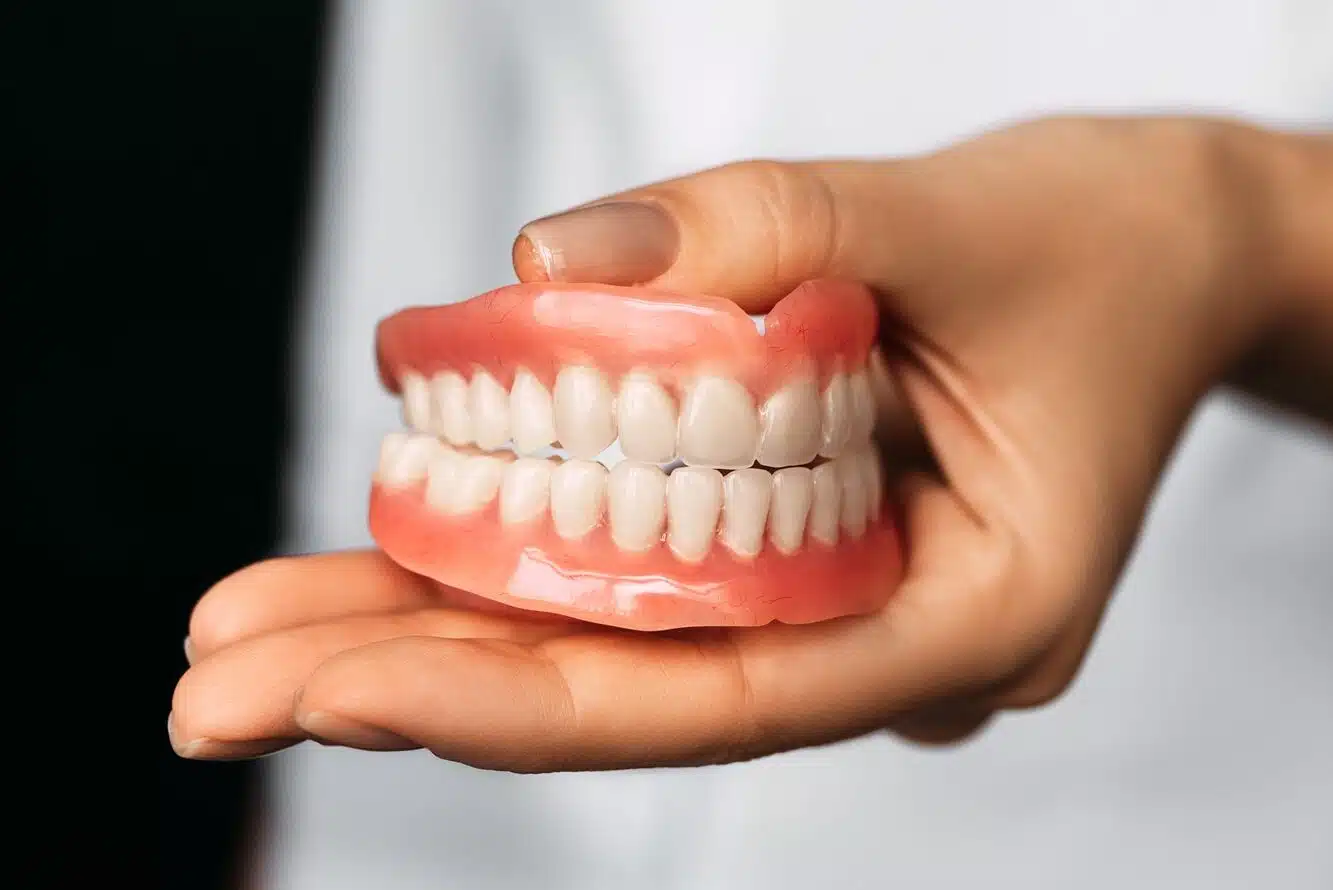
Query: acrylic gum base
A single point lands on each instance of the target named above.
(750, 488)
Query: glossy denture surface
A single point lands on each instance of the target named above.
(719, 540)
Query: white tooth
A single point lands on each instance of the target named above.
(719, 426)
(789, 426)
(584, 419)
(531, 418)
(488, 406)
(646, 420)
(636, 505)
(792, 491)
(442, 479)
(854, 497)
(825, 503)
(578, 498)
(464, 484)
(525, 490)
(874, 476)
(745, 510)
(416, 402)
(448, 392)
(836, 415)
(694, 503)
(403, 458)
(862, 424)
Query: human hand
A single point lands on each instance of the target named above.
(1058, 297)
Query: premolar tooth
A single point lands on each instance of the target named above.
(531, 417)
(584, 421)
(792, 492)
(719, 426)
(694, 503)
(825, 502)
(449, 393)
(862, 399)
(488, 406)
(789, 426)
(854, 495)
(442, 480)
(745, 510)
(646, 420)
(578, 498)
(416, 402)
(636, 504)
(525, 490)
(404, 457)
(460, 485)
(836, 415)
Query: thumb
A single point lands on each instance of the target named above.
(750, 232)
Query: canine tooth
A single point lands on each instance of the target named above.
(748, 493)
(854, 496)
(836, 415)
(719, 426)
(449, 392)
(694, 503)
(488, 406)
(442, 478)
(646, 420)
(531, 417)
(862, 400)
(789, 426)
(584, 419)
(525, 490)
(825, 503)
(403, 458)
(416, 402)
(636, 505)
(578, 498)
(792, 492)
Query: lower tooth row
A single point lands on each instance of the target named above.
(641, 504)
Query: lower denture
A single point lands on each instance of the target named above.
(774, 511)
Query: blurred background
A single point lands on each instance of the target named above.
(314, 166)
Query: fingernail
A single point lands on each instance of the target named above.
(616, 243)
(212, 749)
(334, 730)
(189, 651)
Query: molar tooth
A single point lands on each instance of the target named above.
(646, 420)
(584, 419)
(748, 493)
(404, 457)
(636, 503)
(854, 496)
(531, 417)
(488, 406)
(449, 393)
(862, 401)
(792, 492)
(694, 503)
(525, 490)
(789, 426)
(836, 415)
(719, 426)
(416, 402)
(578, 498)
(825, 503)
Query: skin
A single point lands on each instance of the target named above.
(1061, 294)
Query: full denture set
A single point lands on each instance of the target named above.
(748, 487)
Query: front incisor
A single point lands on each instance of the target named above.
(636, 505)
(719, 426)
(694, 504)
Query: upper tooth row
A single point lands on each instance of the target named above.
(718, 424)
(691, 506)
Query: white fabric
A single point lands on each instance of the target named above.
(1196, 749)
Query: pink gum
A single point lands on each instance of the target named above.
(821, 327)
(530, 567)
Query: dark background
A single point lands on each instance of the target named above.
(157, 165)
